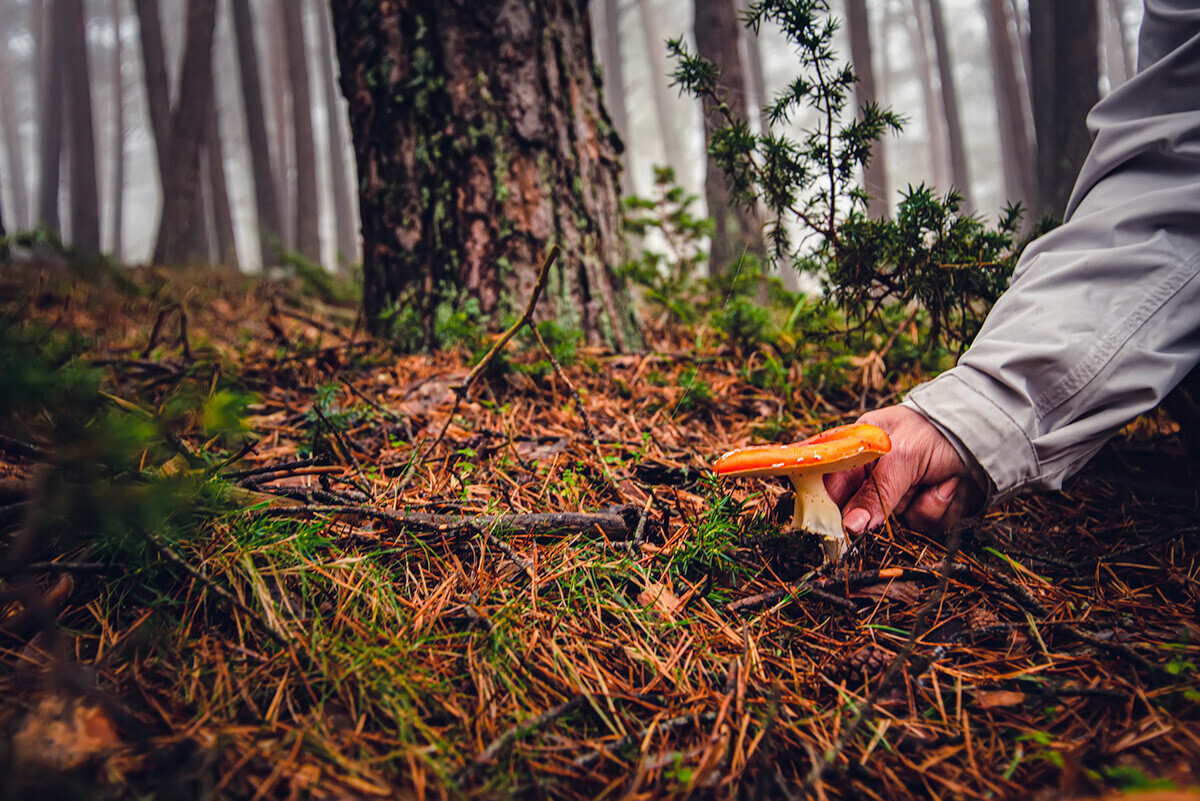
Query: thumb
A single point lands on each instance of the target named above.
(881, 493)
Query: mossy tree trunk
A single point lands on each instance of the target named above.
(481, 138)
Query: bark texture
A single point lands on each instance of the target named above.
(265, 200)
(1063, 41)
(481, 138)
(737, 230)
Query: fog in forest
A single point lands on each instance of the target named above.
(128, 178)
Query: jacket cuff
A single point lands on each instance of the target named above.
(995, 448)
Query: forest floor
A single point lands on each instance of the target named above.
(253, 566)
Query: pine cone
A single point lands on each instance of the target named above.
(866, 661)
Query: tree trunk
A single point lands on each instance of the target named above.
(117, 185)
(181, 183)
(481, 140)
(1063, 38)
(939, 160)
(1016, 145)
(282, 150)
(266, 205)
(959, 172)
(858, 25)
(10, 130)
(1118, 57)
(344, 211)
(218, 188)
(737, 230)
(668, 128)
(614, 84)
(53, 108)
(154, 72)
(85, 198)
(308, 226)
(752, 58)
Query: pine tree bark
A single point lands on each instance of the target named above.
(53, 109)
(960, 174)
(481, 139)
(737, 230)
(345, 211)
(117, 186)
(1016, 145)
(308, 227)
(1063, 40)
(189, 130)
(875, 181)
(270, 238)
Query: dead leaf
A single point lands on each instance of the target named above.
(661, 597)
(999, 698)
(62, 734)
(906, 592)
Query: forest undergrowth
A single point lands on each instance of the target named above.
(250, 552)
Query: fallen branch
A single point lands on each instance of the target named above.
(851, 580)
(614, 523)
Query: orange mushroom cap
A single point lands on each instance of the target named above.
(840, 448)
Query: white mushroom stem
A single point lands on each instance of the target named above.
(818, 514)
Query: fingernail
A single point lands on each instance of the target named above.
(856, 520)
(946, 489)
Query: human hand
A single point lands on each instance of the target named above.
(922, 478)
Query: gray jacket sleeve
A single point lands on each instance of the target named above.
(1102, 317)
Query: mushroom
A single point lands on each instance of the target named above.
(841, 448)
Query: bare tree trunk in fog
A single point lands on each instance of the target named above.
(1020, 16)
(1016, 145)
(939, 161)
(308, 232)
(189, 129)
(858, 25)
(10, 125)
(344, 208)
(85, 198)
(1063, 39)
(663, 113)
(218, 189)
(614, 85)
(959, 172)
(752, 57)
(282, 151)
(270, 236)
(154, 70)
(737, 230)
(117, 187)
(1118, 56)
(53, 108)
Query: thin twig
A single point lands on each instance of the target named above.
(461, 391)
